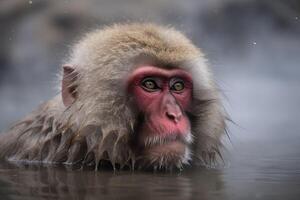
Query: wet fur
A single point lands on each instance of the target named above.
(100, 124)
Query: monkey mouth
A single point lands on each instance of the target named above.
(160, 146)
(165, 152)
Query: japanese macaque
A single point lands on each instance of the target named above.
(136, 95)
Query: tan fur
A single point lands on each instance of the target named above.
(100, 123)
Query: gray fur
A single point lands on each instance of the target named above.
(99, 125)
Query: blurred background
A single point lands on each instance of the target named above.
(253, 47)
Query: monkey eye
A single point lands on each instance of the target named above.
(149, 84)
(178, 86)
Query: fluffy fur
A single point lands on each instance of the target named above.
(101, 123)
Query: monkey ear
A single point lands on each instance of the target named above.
(69, 86)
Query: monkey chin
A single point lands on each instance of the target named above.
(165, 156)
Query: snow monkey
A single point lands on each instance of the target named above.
(134, 95)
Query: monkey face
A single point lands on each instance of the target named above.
(162, 98)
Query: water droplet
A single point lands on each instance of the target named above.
(254, 43)
(30, 2)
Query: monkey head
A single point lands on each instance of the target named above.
(149, 91)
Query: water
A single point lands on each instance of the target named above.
(250, 174)
(61, 183)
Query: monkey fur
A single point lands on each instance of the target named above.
(100, 124)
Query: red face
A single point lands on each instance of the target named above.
(163, 97)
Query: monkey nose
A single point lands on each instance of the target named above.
(174, 116)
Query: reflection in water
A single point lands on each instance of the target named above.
(247, 178)
(37, 182)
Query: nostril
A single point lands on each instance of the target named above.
(173, 116)
(170, 115)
